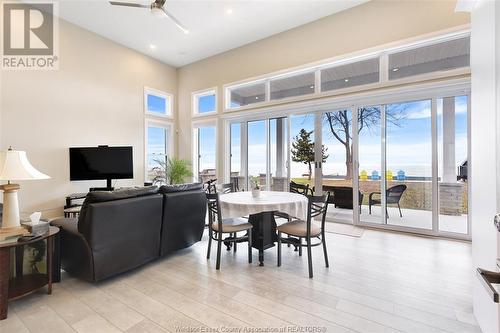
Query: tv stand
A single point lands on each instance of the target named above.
(109, 186)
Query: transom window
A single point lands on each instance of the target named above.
(247, 94)
(205, 102)
(431, 58)
(390, 64)
(157, 103)
(350, 75)
(297, 85)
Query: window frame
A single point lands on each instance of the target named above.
(381, 52)
(159, 123)
(195, 95)
(195, 126)
(169, 102)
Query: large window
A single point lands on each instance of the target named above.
(248, 94)
(205, 142)
(350, 75)
(157, 103)
(296, 85)
(430, 58)
(205, 102)
(437, 56)
(158, 142)
(452, 124)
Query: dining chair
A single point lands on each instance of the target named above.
(217, 226)
(303, 189)
(308, 230)
(210, 186)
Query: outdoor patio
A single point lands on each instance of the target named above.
(413, 218)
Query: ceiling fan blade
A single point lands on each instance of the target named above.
(128, 4)
(176, 21)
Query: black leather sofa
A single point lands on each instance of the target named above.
(121, 230)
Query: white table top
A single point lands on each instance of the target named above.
(239, 204)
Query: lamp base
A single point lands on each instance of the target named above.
(10, 217)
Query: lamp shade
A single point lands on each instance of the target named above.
(14, 165)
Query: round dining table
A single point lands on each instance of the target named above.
(260, 211)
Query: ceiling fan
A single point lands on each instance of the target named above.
(157, 8)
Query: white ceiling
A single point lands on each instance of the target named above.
(211, 29)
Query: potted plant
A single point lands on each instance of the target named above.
(255, 187)
(171, 171)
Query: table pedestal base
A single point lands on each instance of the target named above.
(263, 233)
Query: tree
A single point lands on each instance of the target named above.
(340, 124)
(303, 150)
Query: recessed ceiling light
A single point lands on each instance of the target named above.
(152, 46)
(229, 11)
(256, 97)
(395, 69)
(312, 87)
(346, 80)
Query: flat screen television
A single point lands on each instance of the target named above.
(103, 162)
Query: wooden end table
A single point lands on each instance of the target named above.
(22, 285)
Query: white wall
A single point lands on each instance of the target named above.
(485, 168)
(96, 97)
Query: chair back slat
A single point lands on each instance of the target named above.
(213, 205)
(210, 186)
(299, 188)
(227, 188)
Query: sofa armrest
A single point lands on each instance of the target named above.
(67, 224)
(75, 254)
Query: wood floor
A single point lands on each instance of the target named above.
(381, 282)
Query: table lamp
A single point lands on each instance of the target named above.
(14, 165)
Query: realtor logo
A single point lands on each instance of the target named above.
(30, 36)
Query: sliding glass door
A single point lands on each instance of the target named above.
(408, 148)
(412, 162)
(400, 165)
(302, 149)
(452, 144)
(337, 163)
(369, 137)
(259, 154)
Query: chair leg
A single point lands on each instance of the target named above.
(249, 246)
(279, 248)
(235, 235)
(309, 257)
(300, 246)
(219, 248)
(400, 214)
(209, 243)
(325, 252)
(370, 208)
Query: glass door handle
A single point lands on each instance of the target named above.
(487, 279)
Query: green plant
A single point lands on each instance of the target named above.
(256, 183)
(303, 150)
(171, 171)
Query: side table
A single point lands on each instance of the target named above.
(22, 285)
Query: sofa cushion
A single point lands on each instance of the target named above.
(123, 193)
(120, 194)
(181, 187)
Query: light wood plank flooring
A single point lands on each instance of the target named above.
(381, 282)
